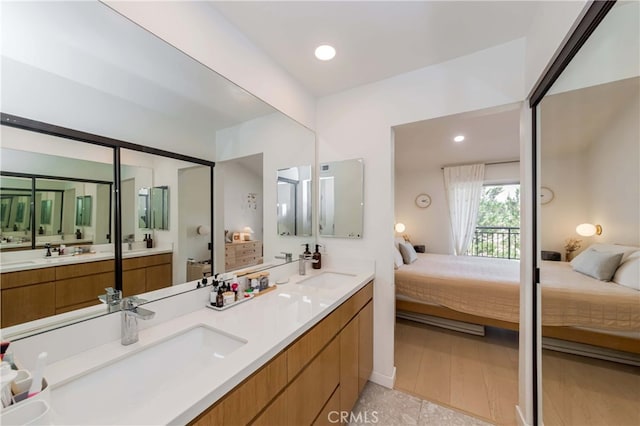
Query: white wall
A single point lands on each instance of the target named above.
(431, 226)
(283, 143)
(195, 208)
(549, 29)
(358, 123)
(240, 181)
(614, 164)
(215, 42)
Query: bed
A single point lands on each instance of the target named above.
(486, 291)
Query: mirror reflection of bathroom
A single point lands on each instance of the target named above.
(243, 211)
(341, 207)
(294, 201)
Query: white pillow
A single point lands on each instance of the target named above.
(628, 273)
(610, 248)
(397, 258)
(408, 253)
(397, 241)
(597, 264)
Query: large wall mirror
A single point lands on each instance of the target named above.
(341, 208)
(134, 113)
(589, 229)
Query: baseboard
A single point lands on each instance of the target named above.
(520, 417)
(463, 327)
(590, 351)
(383, 380)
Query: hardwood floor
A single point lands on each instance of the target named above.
(479, 376)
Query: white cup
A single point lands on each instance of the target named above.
(21, 383)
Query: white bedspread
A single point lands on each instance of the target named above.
(491, 288)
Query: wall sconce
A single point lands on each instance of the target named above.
(588, 229)
(203, 230)
(400, 227)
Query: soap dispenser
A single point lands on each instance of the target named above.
(306, 253)
(317, 257)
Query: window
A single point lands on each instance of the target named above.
(498, 229)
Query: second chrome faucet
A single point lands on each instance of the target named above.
(131, 312)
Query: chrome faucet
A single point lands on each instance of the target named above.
(130, 314)
(112, 299)
(288, 257)
(304, 259)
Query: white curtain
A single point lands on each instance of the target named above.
(463, 187)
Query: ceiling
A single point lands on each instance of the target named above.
(490, 135)
(572, 120)
(374, 39)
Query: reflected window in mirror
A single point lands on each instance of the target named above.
(341, 206)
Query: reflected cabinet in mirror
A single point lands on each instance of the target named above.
(68, 132)
(341, 207)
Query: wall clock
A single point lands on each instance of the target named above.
(546, 195)
(423, 201)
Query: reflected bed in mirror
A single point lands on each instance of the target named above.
(172, 103)
(341, 206)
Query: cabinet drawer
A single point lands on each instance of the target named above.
(159, 276)
(144, 261)
(351, 307)
(307, 346)
(32, 276)
(27, 303)
(86, 268)
(250, 397)
(134, 282)
(310, 391)
(74, 291)
(330, 412)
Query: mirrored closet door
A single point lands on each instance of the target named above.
(588, 230)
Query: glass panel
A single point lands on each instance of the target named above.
(15, 196)
(589, 174)
(342, 198)
(294, 201)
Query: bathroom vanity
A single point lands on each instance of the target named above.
(290, 356)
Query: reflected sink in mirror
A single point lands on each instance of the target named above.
(152, 373)
(328, 280)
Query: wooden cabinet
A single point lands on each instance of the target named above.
(242, 254)
(306, 382)
(39, 293)
(80, 284)
(146, 273)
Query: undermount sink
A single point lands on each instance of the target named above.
(151, 374)
(328, 280)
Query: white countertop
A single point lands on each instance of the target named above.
(268, 323)
(26, 263)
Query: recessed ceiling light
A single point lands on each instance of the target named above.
(325, 52)
(458, 138)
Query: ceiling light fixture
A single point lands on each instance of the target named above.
(325, 52)
(458, 138)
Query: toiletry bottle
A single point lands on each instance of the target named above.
(213, 297)
(78, 234)
(149, 241)
(317, 257)
(306, 252)
(219, 299)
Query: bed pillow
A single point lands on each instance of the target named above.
(408, 253)
(397, 258)
(397, 241)
(600, 265)
(610, 248)
(628, 273)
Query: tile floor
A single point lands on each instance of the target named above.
(388, 407)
